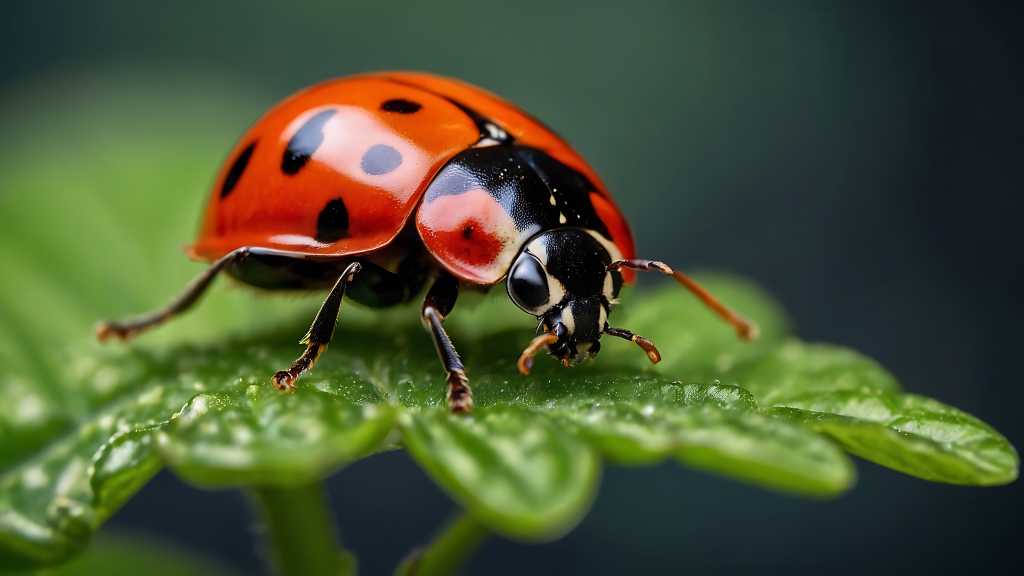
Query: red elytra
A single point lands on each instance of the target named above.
(381, 184)
(270, 208)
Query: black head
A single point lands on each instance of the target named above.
(561, 276)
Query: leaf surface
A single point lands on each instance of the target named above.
(859, 404)
(84, 427)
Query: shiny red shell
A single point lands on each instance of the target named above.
(257, 202)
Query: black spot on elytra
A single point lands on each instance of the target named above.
(400, 106)
(488, 129)
(304, 143)
(332, 223)
(236, 170)
(380, 159)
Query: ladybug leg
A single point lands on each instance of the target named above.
(744, 329)
(439, 303)
(539, 342)
(646, 345)
(320, 332)
(127, 329)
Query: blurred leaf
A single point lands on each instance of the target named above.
(86, 426)
(858, 403)
(52, 498)
(131, 556)
(693, 341)
(513, 468)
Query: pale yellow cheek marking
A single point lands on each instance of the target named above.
(556, 292)
(568, 319)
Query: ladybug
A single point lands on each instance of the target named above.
(382, 186)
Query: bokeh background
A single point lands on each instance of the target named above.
(862, 160)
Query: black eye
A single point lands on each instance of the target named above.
(528, 284)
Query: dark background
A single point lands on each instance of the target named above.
(862, 160)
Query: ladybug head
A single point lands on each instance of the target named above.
(561, 276)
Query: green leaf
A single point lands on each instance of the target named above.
(652, 426)
(858, 404)
(85, 426)
(738, 443)
(250, 435)
(796, 372)
(123, 555)
(513, 468)
(54, 497)
(696, 344)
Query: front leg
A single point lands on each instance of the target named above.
(439, 303)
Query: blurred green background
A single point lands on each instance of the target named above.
(862, 160)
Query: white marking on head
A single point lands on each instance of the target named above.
(556, 291)
(568, 319)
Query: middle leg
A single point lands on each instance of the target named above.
(439, 303)
(320, 332)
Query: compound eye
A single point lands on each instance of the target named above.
(528, 284)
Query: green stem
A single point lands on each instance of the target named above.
(300, 531)
(448, 551)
